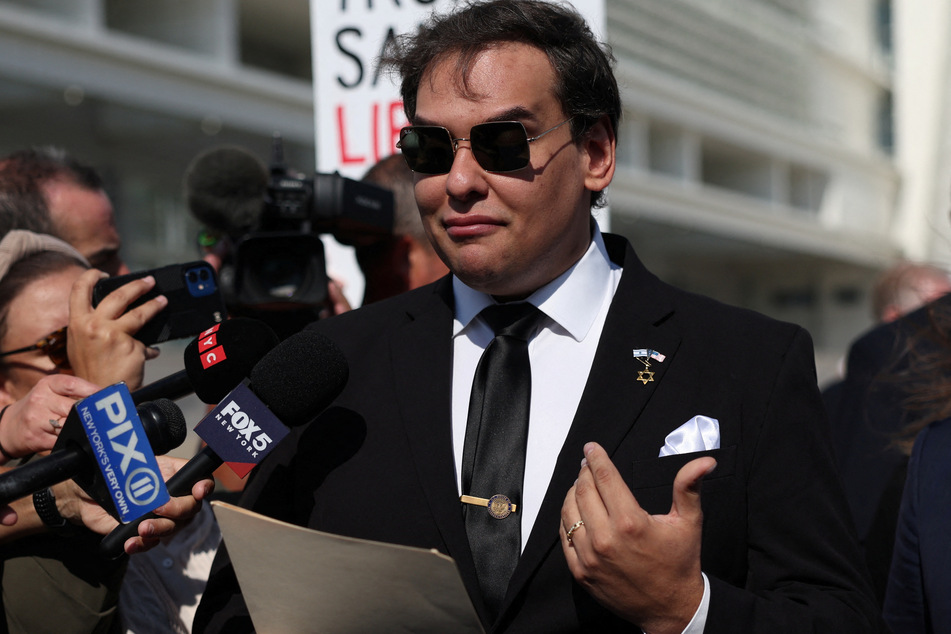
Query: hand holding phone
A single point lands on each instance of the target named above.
(195, 302)
(113, 321)
(99, 341)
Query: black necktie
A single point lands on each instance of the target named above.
(493, 458)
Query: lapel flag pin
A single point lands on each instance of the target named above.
(644, 355)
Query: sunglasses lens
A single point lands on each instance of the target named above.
(55, 349)
(500, 146)
(427, 149)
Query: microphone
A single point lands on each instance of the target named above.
(225, 187)
(215, 361)
(296, 381)
(164, 426)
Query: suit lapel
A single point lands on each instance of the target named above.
(424, 397)
(613, 397)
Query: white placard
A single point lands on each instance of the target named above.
(358, 112)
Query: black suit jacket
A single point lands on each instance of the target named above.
(869, 415)
(777, 543)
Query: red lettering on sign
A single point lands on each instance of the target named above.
(375, 118)
(385, 122)
(345, 157)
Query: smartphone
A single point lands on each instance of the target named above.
(195, 302)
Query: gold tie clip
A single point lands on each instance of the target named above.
(499, 506)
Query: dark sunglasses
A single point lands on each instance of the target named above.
(52, 345)
(498, 146)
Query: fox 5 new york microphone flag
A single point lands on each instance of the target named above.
(241, 430)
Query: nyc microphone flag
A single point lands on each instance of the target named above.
(122, 452)
(241, 430)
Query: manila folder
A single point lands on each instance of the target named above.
(295, 579)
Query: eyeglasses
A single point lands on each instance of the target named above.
(52, 345)
(498, 146)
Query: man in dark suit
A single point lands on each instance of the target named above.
(916, 601)
(663, 382)
(868, 424)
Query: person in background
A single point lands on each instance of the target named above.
(47, 191)
(866, 408)
(918, 581)
(53, 578)
(905, 287)
(471, 401)
(405, 259)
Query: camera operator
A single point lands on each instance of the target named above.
(263, 225)
(404, 259)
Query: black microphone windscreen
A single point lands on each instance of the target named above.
(242, 341)
(224, 188)
(164, 424)
(300, 377)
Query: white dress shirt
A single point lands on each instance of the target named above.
(562, 352)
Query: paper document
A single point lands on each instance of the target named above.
(300, 580)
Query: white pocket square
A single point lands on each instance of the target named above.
(700, 433)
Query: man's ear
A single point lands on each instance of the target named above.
(400, 255)
(600, 145)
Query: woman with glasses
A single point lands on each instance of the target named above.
(55, 348)
(45, 285)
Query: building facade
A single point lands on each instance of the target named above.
(775, 154)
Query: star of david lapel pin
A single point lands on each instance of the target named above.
(644, 355)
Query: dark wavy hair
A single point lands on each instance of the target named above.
(584, 76)
(926, 381)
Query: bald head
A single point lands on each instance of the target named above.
(906, 287)
(406, 259)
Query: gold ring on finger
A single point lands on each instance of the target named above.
(574, 527)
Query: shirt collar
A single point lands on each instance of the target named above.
(572, 300)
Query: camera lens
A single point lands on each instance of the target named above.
(281, 268)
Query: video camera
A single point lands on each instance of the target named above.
(273, 218)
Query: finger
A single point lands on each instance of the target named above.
(203, 489)
(69, 386)
(117, 302)
(80, 296)
(137, 317)
(569, 510)
(338, 300)
(8, 517)
(591, 509)
(686, 497)
(135, 545)
(183, 507)
(157, 528)
(570, 515)
(612, 491)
